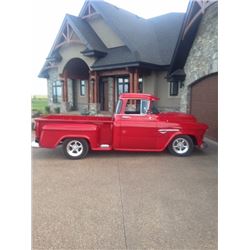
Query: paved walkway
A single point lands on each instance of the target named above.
(116, 200)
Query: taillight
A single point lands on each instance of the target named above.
(37, 128)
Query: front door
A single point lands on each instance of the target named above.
(137, 129)
(138, 132)
(103, 95)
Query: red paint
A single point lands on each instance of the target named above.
(123, 131)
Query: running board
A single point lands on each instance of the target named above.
(103, 147)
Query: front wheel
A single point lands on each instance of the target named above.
(181, 145)
(75, 148)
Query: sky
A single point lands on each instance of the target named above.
(47, 17)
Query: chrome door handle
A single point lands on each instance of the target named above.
(126, 117)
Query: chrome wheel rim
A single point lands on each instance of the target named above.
(74, 148)
(180, 145)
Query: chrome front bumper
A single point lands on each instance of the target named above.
(203, 145)
(35, 144)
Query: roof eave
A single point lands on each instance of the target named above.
(130, 64)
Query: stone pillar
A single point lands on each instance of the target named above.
(136, 81)
(111, 94)
(94, 106)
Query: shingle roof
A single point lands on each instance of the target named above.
(115, 57)
(150, 40)
(167, 28)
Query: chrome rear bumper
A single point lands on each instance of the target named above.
(34, 144)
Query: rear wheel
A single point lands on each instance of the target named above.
(181, 145)
(75, 148)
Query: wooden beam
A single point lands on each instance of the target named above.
(67, 42)
(114, 72)
(65, 36)
(89, 89)
(200, 12)
(96, 88)
(71, 34)
(67, 27)
(203, 4)
(90, 15)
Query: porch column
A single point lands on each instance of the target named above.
(93, 93)
(65, 86)
(136, 79)
(131, 81)
(113, 82)
(96, 88)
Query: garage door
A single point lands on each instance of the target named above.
(204, 104)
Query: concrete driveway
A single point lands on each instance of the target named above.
(116, 200)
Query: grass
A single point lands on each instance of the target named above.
(38, 103)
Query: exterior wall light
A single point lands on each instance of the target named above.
(92, 81)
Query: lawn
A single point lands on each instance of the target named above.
(39, 103)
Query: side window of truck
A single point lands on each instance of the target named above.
(144, 106)
(118, 107)
(136, 107)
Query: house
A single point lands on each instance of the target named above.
(106, 51)
(194, 66)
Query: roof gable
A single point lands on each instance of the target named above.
(73, 30)
(145, 38)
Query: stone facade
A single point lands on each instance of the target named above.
(53, 77)
(203, 56)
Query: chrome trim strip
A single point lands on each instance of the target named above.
(165, 130)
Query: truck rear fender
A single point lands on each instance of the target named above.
(53, 134)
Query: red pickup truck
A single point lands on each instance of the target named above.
(136, 125)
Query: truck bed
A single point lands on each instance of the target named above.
(58, 125)
(76, 118)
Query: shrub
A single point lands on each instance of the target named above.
(57, 110)
(36, 113)
(47, 109)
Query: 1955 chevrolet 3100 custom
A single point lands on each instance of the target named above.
(136, 125)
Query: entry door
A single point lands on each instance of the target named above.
(103, 95)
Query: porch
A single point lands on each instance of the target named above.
(96, 92)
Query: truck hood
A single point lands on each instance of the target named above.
(177, 117)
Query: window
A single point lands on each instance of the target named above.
(122, 85)
(173, 88)
(83, 87)
(56, 91)
(137, 107)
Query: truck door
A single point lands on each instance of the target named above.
(137, 129)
